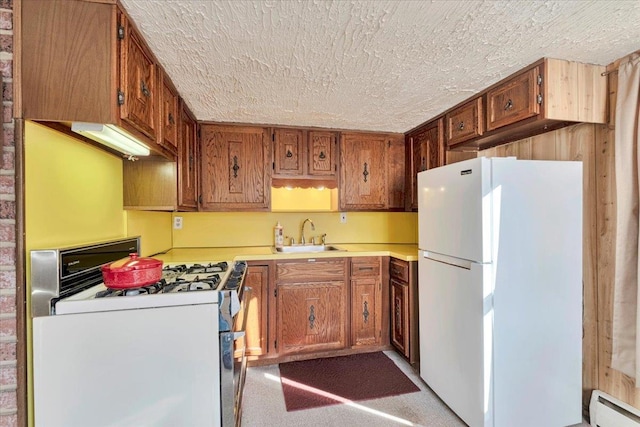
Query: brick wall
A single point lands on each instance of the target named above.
(8, 335)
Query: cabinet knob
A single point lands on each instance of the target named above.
(508, 105)
(322, 155)
(289, 153)
(461, 126)
(145, 90)
(171, 120)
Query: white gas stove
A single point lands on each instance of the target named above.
(181, 284)
(167, 354)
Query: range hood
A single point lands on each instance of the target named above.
(113, 137)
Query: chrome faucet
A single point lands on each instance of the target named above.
(313, 227)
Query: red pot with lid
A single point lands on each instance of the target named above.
(132, 272)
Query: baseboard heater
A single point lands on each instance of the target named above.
(607, 411)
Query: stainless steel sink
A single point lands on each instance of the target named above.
(294, 249)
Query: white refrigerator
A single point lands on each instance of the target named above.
(500, 290)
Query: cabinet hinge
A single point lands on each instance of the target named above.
(539, 79)
(273, 165)
(275, 344)
(539, 99)
(200, 199)
(120, 97)
(199, 133)
(273, 137)
(120, 32)
(275, 292)
(389, 144)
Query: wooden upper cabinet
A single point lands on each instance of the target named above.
(546, 95)
(91, 66)
(515, 100)
(396, 172)
(235, 168)
(289, 152)
(138, 78)
(426, 148)
(322, 153)
(170, 114)
(363, 171)
(187, 161)
(465, 122)
(304, 158)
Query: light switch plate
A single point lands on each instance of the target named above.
(177, 222)
(343, 217)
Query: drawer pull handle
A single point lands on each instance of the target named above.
(398, 315)
(172, 121)
(508, 105)
(365, 268)
(365, 313)
(312, 317)
(366, 172)
(461, 126)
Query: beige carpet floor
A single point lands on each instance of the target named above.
(264, 406)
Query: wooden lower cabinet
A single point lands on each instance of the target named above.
(256, 338)
(366, 301)
(311, 317)
(403, 279)
(400, 316)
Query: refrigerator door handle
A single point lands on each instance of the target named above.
(456, 262)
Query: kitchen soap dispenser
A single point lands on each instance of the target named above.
(278, 235)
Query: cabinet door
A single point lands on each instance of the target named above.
(427, 150)
(187, 163)
(255, 325)
(311, 317)
(169, 116)
(322, 153)
(138, 81)
(235, 168)
(514, 100)
(366, 311)
(400, 316)
(289, 148)
(465, 122)
(363, 169)
(396, 173)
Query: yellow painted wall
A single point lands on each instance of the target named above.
(304, 200)
(73, 195)
(256, 229)
(154, 228)
(73, 191)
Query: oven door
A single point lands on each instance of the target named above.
(233, 366)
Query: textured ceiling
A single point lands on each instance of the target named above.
(367, 65)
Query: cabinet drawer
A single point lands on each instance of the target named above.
(399, 269)
(465, 122)
(311, 270)
(367, 266)
(514, 100)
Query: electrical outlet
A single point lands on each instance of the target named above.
(343, 217)
(177, 222)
